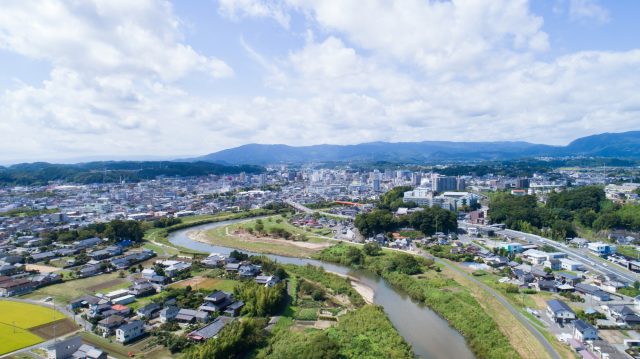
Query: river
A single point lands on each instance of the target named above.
(429, 335)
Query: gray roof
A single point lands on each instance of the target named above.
(558, 305)
(212, 329)
(582, 326)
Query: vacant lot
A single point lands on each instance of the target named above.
(65, 292)
(16, 320)
(226, 285)
(55, 329)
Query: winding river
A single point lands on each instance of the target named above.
(429, 335)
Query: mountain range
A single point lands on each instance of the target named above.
(619, 145)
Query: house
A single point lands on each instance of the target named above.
(73, 348)
(553, 264)
(567, 278)
(127, 299)
(87, 243)
(7, 269)
(148, 273)
(233, 310)
(121, 310)
(523, 277)
(216, 302)
(624, 315)
(148, 311)
(42, 280)
(130, 331)
(546, 285)
(214, 260)
(248, 270)
(267, 281)
(584, 331)
(579, 242)
(142, 288)
(14, 287)
(571, 265)
(601, 249)
(107, 325)
(84, 301)
(191, 316)
(117, 294)
(534, 256)
(168, 314)
(90, 270)
(592, 291)
(559, 311)
(177, 268)
(211, 330)
(232, 267)
(540, 274)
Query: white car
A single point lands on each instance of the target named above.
(48, 299)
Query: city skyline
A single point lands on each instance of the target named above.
(164, 80)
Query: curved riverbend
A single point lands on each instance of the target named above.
(429, 335)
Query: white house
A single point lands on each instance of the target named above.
(130, 331)
(584, 331)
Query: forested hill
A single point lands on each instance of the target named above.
(95, 172)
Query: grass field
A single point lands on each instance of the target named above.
(15, 321)
(196, 283)
(223, 236)
(65, 292)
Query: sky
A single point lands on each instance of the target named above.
(120, 79)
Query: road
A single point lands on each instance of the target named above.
(572, 253)
(302, 208)
(515, 312)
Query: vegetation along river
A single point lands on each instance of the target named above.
(429, 335)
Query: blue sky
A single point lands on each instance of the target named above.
(154, 79)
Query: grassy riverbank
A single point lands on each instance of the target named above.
(268, 240)
(420, 280)
(161, 235)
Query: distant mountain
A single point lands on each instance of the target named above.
(622, 145)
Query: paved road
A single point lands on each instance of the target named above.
(516, 313)
(572, 253)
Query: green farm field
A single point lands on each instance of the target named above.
(15, 321)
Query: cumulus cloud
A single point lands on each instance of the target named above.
(391, 70)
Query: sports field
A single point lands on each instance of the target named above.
(16, 320)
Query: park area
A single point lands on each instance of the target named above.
(24, 324)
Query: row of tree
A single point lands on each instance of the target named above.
(585, 206)
(428, 221)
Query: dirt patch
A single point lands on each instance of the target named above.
(41, 268)
(197, 282)
(105, 285)
(55, 329)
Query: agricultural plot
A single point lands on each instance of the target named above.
(18, 319)
(64, 292)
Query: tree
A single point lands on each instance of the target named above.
(371, 249)
(352, 256)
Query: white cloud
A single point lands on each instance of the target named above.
(399, 71)
(274, 9)
(104, 36)
(588, 10)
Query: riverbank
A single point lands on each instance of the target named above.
(243, 240)
(429, 335)
(365, 291)
(445, 296)
(158, 238)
